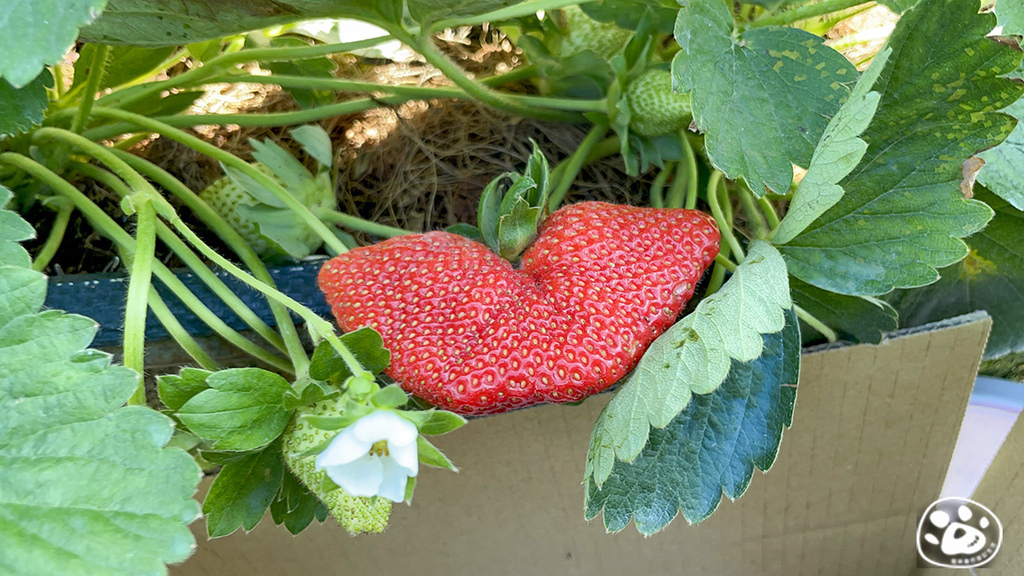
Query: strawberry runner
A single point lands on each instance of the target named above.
(471, 334)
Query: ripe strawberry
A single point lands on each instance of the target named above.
(471, 334)
(655, 109)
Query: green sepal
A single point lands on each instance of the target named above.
(466, 231)
(306, 391)
(431, 456)
(390, 396)
(434, 422)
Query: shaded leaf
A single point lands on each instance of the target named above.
(295, 506)
(1003, 172)
(709, 449)
(176, 390)
(365, 344)
(762, 98)
(22, 108)
(860, 319)
(242, 492)
(124, 64)
(903, 214)
(692, 357)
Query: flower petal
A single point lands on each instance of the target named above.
(393, 485)
(346, 447)
(385, 425)
(406, 457)
(361, 477)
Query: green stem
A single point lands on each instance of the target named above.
(515, 11)
(570, 167)
(106, 226)
(177, 331)
(691, 170)
(769, 212)
(804, 12)
(724, 224)
(722, 266)
(139, 283)
(754, 215)
(97, 68)
(129, 142)
(216, 224)
(56, 237)
(228, 159)
(58, 80)
(658, 186)
(815, 323)
(424, 45)
(211, 67)
(677, 191)
(513, 75)
(359, 225)
(215, 284)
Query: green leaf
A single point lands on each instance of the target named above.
(285, 167)
(315, 141)
(306, 392)
(1003, 172)
(13, 230)
(242, 410)
(242, 492)
(856, 318)
(168, 105)
(295, 506)
(283, 227)
(365, 344)
(77, 467)
(176, 390)
(898, 6)
(390, 396)
(487, 213)
(38, 33)
(431, 456)
(762, 98)
(692, 357)
(23, 107)
(991, 278)
(1010, 16)
(837, 154)
(160, 23)
(903, 213)
(205, 50)
(434, 422)
(124, 64)
(709, 449)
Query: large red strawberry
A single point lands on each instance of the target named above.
(471, 334)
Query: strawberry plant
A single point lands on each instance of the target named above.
(906, 209)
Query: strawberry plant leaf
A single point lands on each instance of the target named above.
(295, 506)
(38, 33)
(88, 485)
(856, 318)
(1003, 172)
(991, 278)
(242, 410)
(176, 390)
(23, 107)
(710, 448)
(242, 492)
(315, 141)
(898, 6)
(1010, 16)
(762, 97)
(12, 230)
(837, 154)
(322, 67)
(365, 344)
(692, 357)
(903, 213)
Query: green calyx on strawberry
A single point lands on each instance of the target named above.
(260, 217)
(471, 334)
(655, 110)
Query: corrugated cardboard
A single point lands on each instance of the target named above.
(1002, 490)
(873, 433)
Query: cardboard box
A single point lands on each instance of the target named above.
(872, 436)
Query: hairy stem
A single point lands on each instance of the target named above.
(139, 283)
(570, 167)
(724, 224)
(722, 266)
(216, 223)
(56, 236)
(677, 191)
(754, 215)
(768, 211)
(815, 323)
(97, 68)
(658, 186)
(178, 332)
(692, 182)
(359, 225)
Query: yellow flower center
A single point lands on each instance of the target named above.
(380, 448)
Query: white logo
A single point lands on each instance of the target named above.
(958, 533)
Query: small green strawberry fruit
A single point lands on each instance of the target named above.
(582, 33)
(655, 109)
(355, 514)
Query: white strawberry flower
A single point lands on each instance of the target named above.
(375, 456)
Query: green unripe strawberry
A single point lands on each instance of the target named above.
(581, 33)
(238, 207)
(655, 109)
(355, 514)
